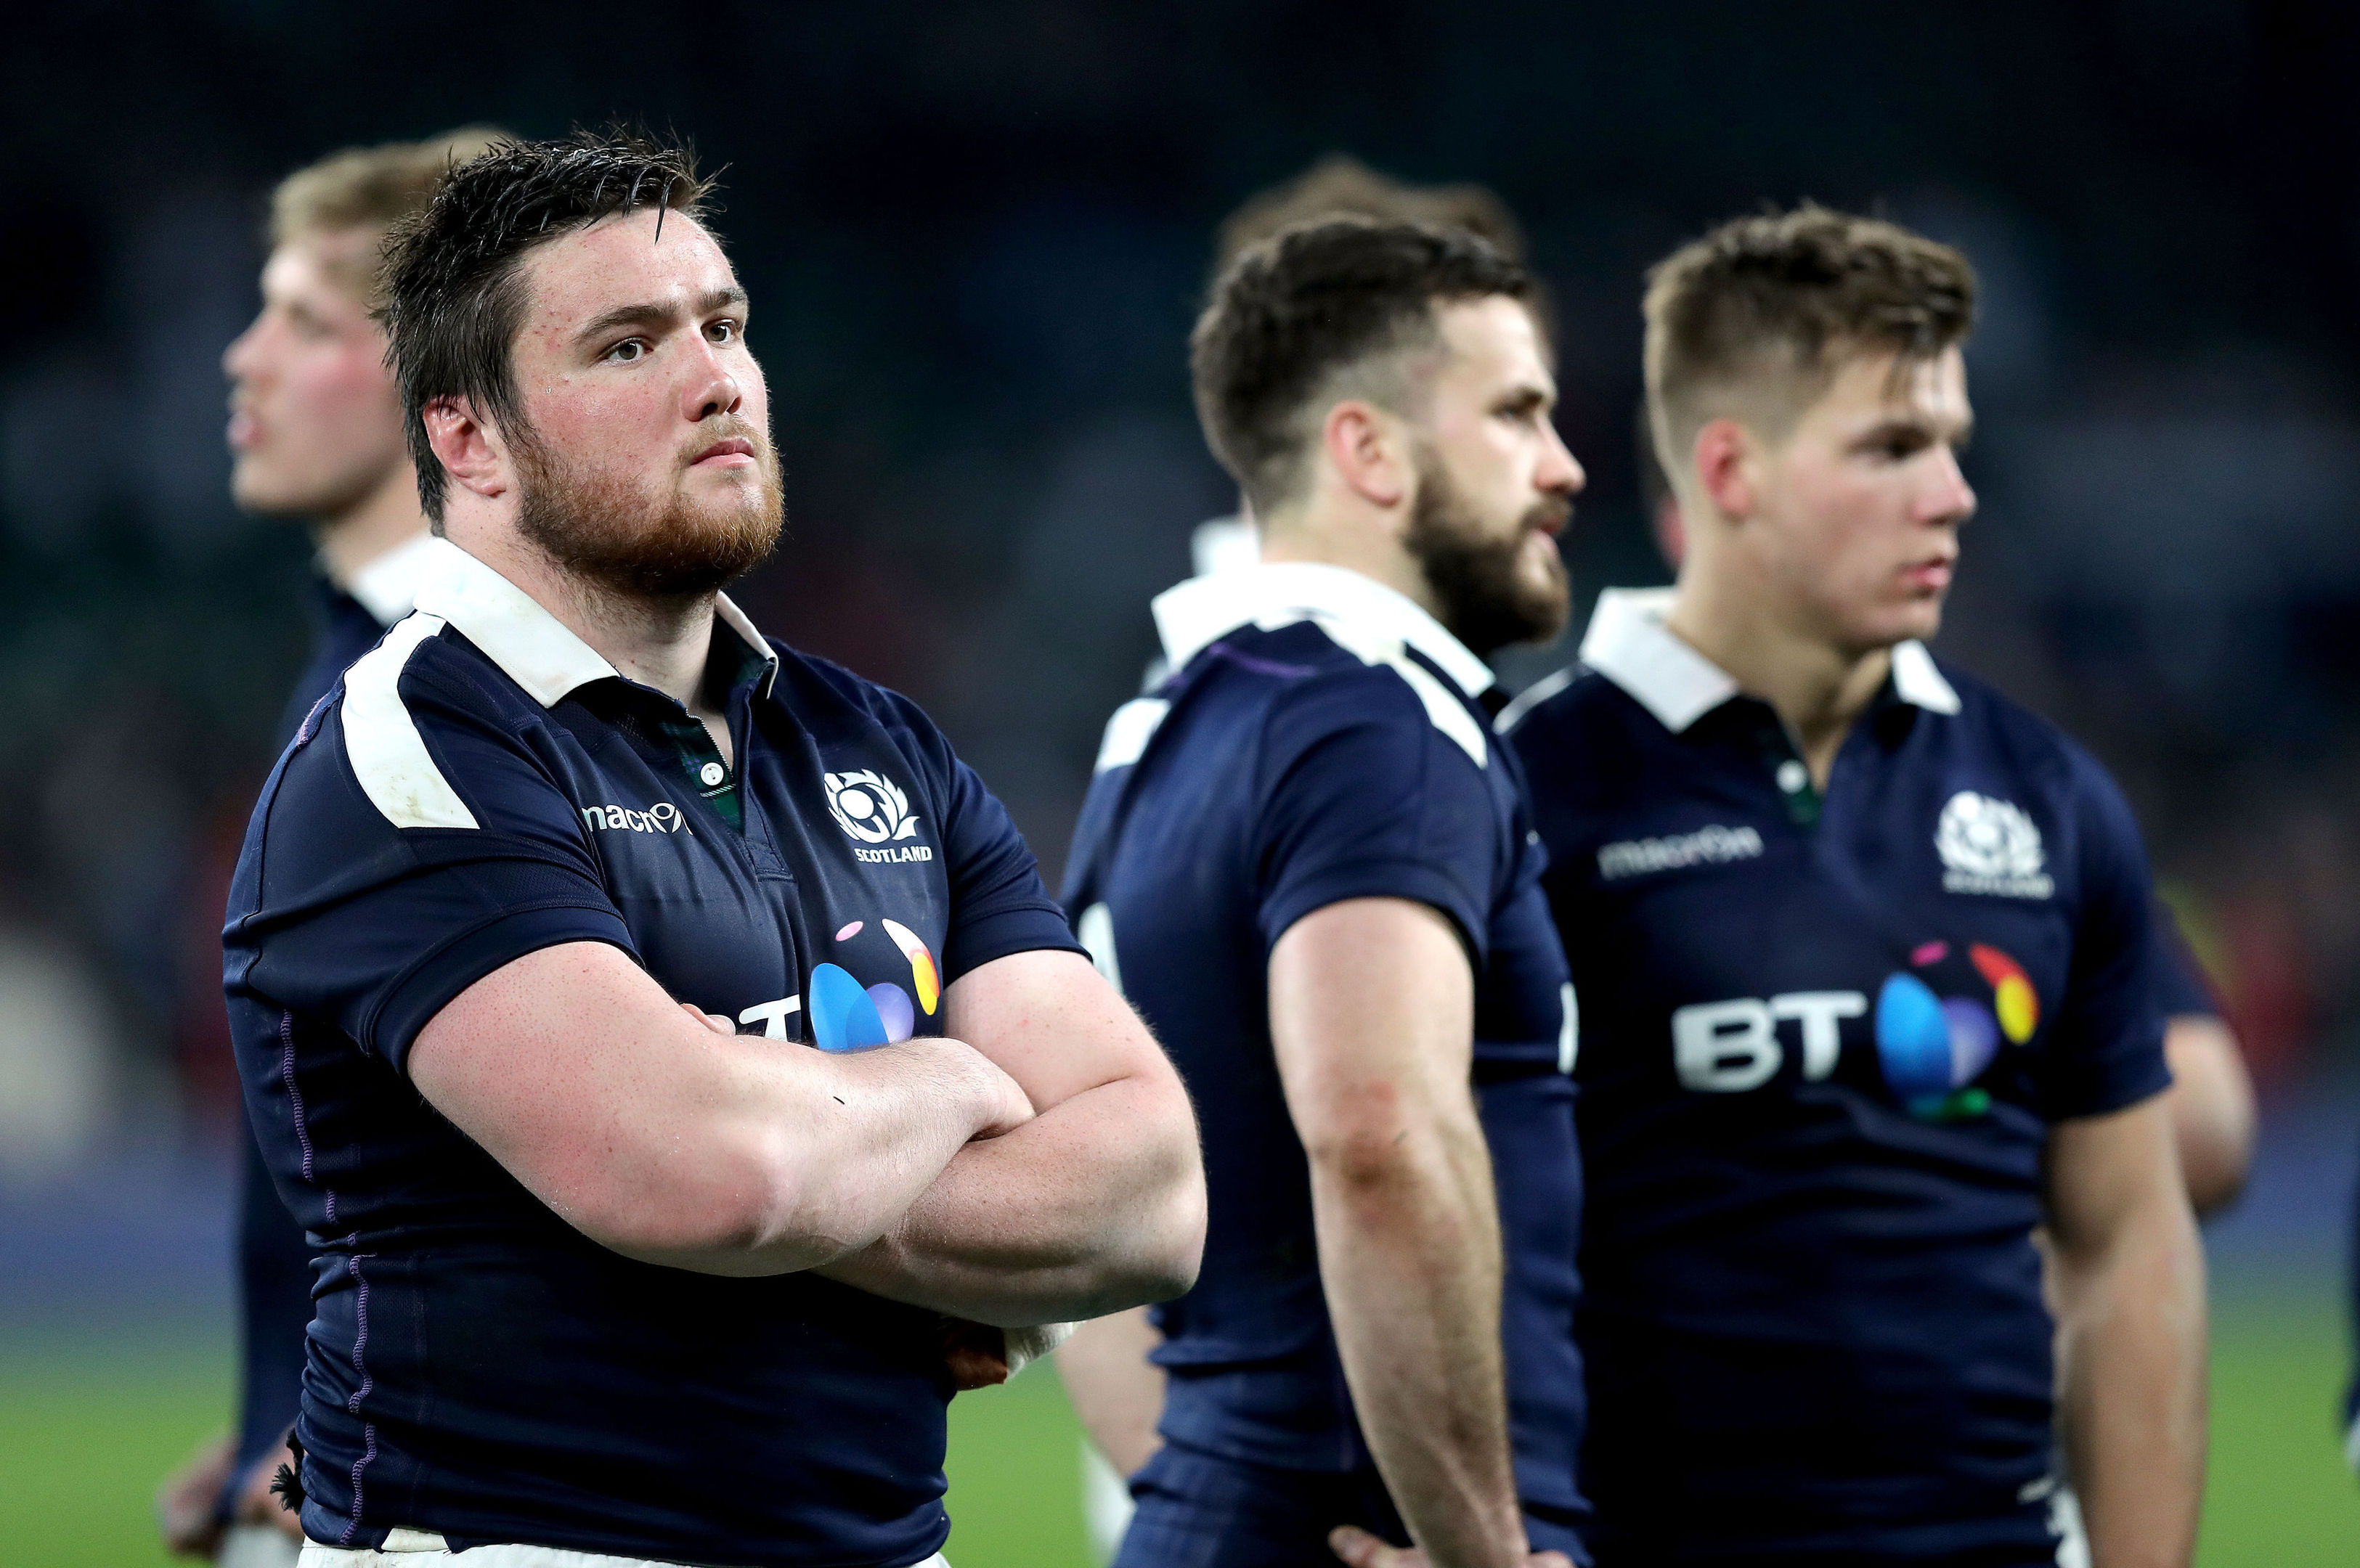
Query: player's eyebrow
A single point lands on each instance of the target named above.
(652, 314)
(1524, 398)
(1924, 428)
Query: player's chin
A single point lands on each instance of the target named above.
(1915, 619)
(260, 490)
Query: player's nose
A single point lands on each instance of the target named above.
(1560, 473)
(237, 359)
(1949, 499)
(711, 390)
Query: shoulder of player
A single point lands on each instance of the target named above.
(1565, 700)
(424, 673)
(1564, 725)
(2023, 741)
(836, 703)
(1324, 688)
(2052, 766)
(393, 724)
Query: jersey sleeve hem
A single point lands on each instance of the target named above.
(438, 975)
(1414, 880)
(2098, 1092)
(1023, 928)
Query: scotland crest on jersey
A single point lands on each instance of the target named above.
(1990, 846)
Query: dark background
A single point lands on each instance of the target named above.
(977, 234)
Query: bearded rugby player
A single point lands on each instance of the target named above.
(1311, 867)
(1867, 970)
(661, 1031)
(315, 429)
(1117, 1391)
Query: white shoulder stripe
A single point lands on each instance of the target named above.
(1129, 731)
(388, 755)
(1443, 707)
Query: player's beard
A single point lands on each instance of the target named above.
(1486, 601)
(600, 528)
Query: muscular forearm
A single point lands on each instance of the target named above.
(659, 1132)
(1409, 1254)
(822, 1165)
(1093, 1206)
(2132, 1336)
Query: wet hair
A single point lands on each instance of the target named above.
(1321, 311)
(1755, 320)
(455, 287)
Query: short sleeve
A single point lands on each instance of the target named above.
(2107, 1049)
(998, 904)
(351, 910)
(1362, 797)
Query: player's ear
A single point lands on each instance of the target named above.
(466, 445)
(1369, 451)
(1725, 470)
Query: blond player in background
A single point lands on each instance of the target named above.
(315, 434)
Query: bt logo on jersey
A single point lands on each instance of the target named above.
(844, 1015)
(1930, 1048)
(1727, 1048)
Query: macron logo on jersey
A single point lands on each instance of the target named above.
(1714, 846)
(661, 817)
(1990, 846)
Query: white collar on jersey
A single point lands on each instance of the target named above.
(1358, 612)
(387, 586)
(533, 647)
(1629, 644)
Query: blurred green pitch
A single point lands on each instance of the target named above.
(91, 1420)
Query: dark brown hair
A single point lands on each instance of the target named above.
(1321, 311)
(1755, 320)
(453, 271)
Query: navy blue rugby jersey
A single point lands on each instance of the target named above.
(1822, 1041)
(1322, 740)
(484, 785)
(274, 1260)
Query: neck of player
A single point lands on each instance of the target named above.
(1316, 533)
(385, 517)
(1816, 686)
(662, 642)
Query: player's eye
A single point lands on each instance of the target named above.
(723, 332)
(630, 351)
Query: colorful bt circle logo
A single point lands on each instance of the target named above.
(1933, 1048)
(846, 1016)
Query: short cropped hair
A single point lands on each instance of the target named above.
(1756, 319)
(454, 270)
(1340, 185)
(1322, 311)
(368, 190)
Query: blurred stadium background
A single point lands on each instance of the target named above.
(977, 236)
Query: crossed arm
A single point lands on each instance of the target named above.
(2129, 1286)
(1042, 1166)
